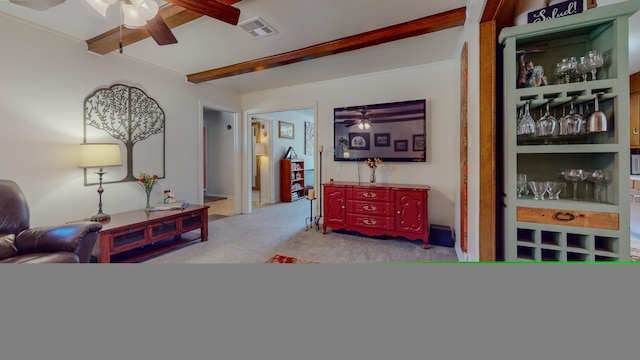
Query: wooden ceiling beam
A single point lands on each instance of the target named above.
(433, 23)
(173, 16)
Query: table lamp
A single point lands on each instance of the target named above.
(98, 155)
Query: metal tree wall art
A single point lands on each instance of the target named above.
(128, 115)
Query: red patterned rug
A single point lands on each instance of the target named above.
(284, 259)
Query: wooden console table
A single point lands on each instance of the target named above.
(379, 209)
(133, 229)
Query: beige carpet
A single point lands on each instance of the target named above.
(280, 229)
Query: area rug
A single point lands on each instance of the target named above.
(635, 254)
(284, 259)
(213, 198)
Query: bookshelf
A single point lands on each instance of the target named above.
(291, 180)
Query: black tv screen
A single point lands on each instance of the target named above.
(390, 131)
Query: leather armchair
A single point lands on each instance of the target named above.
(69, 243)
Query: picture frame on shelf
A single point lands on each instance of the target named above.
(382, 140)
(285, 130)
(359, 141)
(401, 145)
(169, 197)
(418, 142)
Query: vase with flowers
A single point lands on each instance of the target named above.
(373, 164)
(147, 182)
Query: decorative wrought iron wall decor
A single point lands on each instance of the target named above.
(128, 115)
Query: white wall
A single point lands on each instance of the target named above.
(44, 79)
(436, 83)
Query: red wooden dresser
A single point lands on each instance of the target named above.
(379, 209)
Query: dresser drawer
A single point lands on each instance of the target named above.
(370, 208)
(370, 221)
(369, 194)
(588, 219)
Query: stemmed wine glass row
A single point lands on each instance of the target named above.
(598, 177)
(579, 67)
(573, 123)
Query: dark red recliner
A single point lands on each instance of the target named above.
(69, 243)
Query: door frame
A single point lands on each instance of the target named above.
(261, 113)
(237, 170)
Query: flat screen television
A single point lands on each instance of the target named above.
(393, 132)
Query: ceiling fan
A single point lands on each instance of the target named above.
(144, 13)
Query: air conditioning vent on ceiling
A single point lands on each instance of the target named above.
(257, 27)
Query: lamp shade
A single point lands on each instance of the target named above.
(99, 155)
(261, 149)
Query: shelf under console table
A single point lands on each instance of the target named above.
(378, 209)
(134, 229)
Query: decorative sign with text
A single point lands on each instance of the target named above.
(562, 9)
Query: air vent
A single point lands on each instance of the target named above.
(258, 28)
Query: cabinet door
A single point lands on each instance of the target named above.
(335, 205)
(411, 211)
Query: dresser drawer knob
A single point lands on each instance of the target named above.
(369, 222)
(564, 216)
(369, 195)
(370, 208)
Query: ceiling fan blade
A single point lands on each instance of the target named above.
(37, 5)
(160, 31)
(211, 8)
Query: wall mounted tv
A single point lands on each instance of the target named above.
(393, 132)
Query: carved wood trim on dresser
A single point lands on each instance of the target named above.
(380, 209)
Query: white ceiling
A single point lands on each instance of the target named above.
(207, 43)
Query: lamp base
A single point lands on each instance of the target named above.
(100, 217)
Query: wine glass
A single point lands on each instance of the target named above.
(539, 188)
(582, 68)
(547, 125)
(594, 62)
(554, 188)
(573, 123)
(526, 124)
(522, 185)
(597, 120)
(599, 178)
(574, 175)
(568, 66)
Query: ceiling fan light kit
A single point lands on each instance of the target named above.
(136, 12)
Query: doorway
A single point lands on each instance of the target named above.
(259, 141)
(220, 164)
(264, 171)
